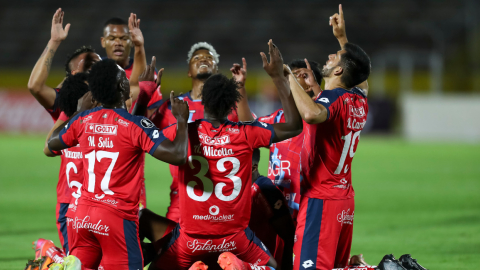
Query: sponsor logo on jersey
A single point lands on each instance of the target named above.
(344, 183)
(72, 154)
(122, 122)
(210, 151)
(276, 166)
(356, 111)
(307, 264)
(93, 128)
(232, 130)
(214, 210)
(214, 218)
(263, 124)
(85, 223)
(208, 245)
(146, 123)
(222, 140)
(345, 217)
(324, 100)
(86, 119)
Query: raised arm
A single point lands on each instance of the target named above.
(44, 94)
(240, 75)
(293, 122)
(148, 85)
(175, 152)
(338, 25)
(139, 58)
(311, 112)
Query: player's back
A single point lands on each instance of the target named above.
(214, 185)
(112, 143)
(330, 146)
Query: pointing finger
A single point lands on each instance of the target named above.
(264, 59)
(308, 64)
(244, 63)
(340, 11)
(171, 96)
(154, 62)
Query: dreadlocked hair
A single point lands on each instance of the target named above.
(73, 88)
(102, 81)
(70, 57)
(220, 95)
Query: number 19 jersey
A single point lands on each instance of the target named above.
(112, 143)
(329, 147)
(215, 183)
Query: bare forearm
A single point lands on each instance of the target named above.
(47, 151)
(139, 63)
(288, 103)
(342, 41)
(308, 109)
(243, 108)
(41, 69)
(181, 142)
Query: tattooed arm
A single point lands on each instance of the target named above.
(44, 94)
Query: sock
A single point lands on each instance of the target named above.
(56, 254)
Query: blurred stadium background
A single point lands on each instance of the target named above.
(416, 173)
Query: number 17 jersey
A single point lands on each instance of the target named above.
(329, 147)
(215, 183)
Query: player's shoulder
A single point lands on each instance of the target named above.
(268, 188)
(140, 121)
(328, 97)
(254, 123)
(359, 91)
(264, 183)
(269, 118)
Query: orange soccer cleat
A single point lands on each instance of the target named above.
(41, 246)
(198, 266)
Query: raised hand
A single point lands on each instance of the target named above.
(309, 77)
(134, 29)
(179, 108)
(58, 33)
(86, 102)
(275, 67)
(149, 73)
(240, 73)
(338, 25)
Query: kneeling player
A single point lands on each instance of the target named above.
(214, 186)
(106, 220)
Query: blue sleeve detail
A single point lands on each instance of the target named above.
(64, 130)
(327, 98)
(155, 105)
(158, 141)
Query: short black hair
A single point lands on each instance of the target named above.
(256, 156)
(356, 65)
(220, 95)
(73, 88)
(300, 63)
(115, 21)
(102, 81)
(77, 52)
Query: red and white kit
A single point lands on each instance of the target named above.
(163, 118)
(106, 218)
(214, 192)
(325, 220)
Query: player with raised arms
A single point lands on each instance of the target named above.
(106, 220)
(79, 61)
(202, 62)
(334, 122)
(215, 185)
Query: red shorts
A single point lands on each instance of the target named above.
(182, 250)
(323, 237)
(101, 235)
(61, 211)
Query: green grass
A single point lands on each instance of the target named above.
(411, 198)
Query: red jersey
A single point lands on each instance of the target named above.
(163, 118)
(156, 99)
(330, 146)
(112, 143)
(214, 185)
(284, 163)
(55, 111)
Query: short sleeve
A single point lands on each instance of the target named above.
(170, 132)
(69, 134)
(258, 134)
(272, 118)
(146, 135)
(156, 100)
(63, 117)
(327, 99)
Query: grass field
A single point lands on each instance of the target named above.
(421, 199)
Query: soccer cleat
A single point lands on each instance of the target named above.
(228, 261)
(56, 266)
(41, 246)
(44, 263)
(409, 263)
(72, 263)
(31, 264)
(199, 265)
(390, 263)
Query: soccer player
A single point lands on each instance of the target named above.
(334, 122)
(270, 218)
(112, 140)
(284, 160)
(214, 187)
(80, 61)
(117, 41)
(203, 62)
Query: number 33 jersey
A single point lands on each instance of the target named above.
(329, 147)
(112, 142)
(215, 183)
